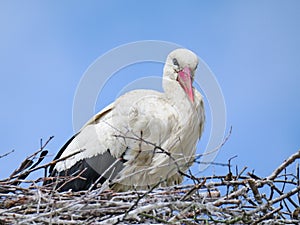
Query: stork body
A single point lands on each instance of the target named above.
(142, 139)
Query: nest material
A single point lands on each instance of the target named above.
(225, 199)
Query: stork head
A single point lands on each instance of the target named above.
(180, 66)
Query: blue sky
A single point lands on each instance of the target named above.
(251, 46)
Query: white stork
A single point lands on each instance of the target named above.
(145, 138)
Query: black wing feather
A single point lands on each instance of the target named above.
(90, 170)
(63, 148)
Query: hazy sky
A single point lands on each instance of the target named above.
(252, 47)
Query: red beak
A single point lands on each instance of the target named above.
(185, 80)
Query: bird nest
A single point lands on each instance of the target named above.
(239, 198)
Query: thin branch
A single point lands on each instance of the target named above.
(285, 164)
(266, 216)
(6, 154)
(42, 166)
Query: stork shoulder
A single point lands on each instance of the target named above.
(99, 115)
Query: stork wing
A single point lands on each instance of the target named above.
(83, 162)
(142, 114)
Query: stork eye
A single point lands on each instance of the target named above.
(175, 62)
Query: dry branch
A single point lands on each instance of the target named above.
(6, 154)
(284, 165)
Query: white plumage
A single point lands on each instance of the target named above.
(125, 133)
